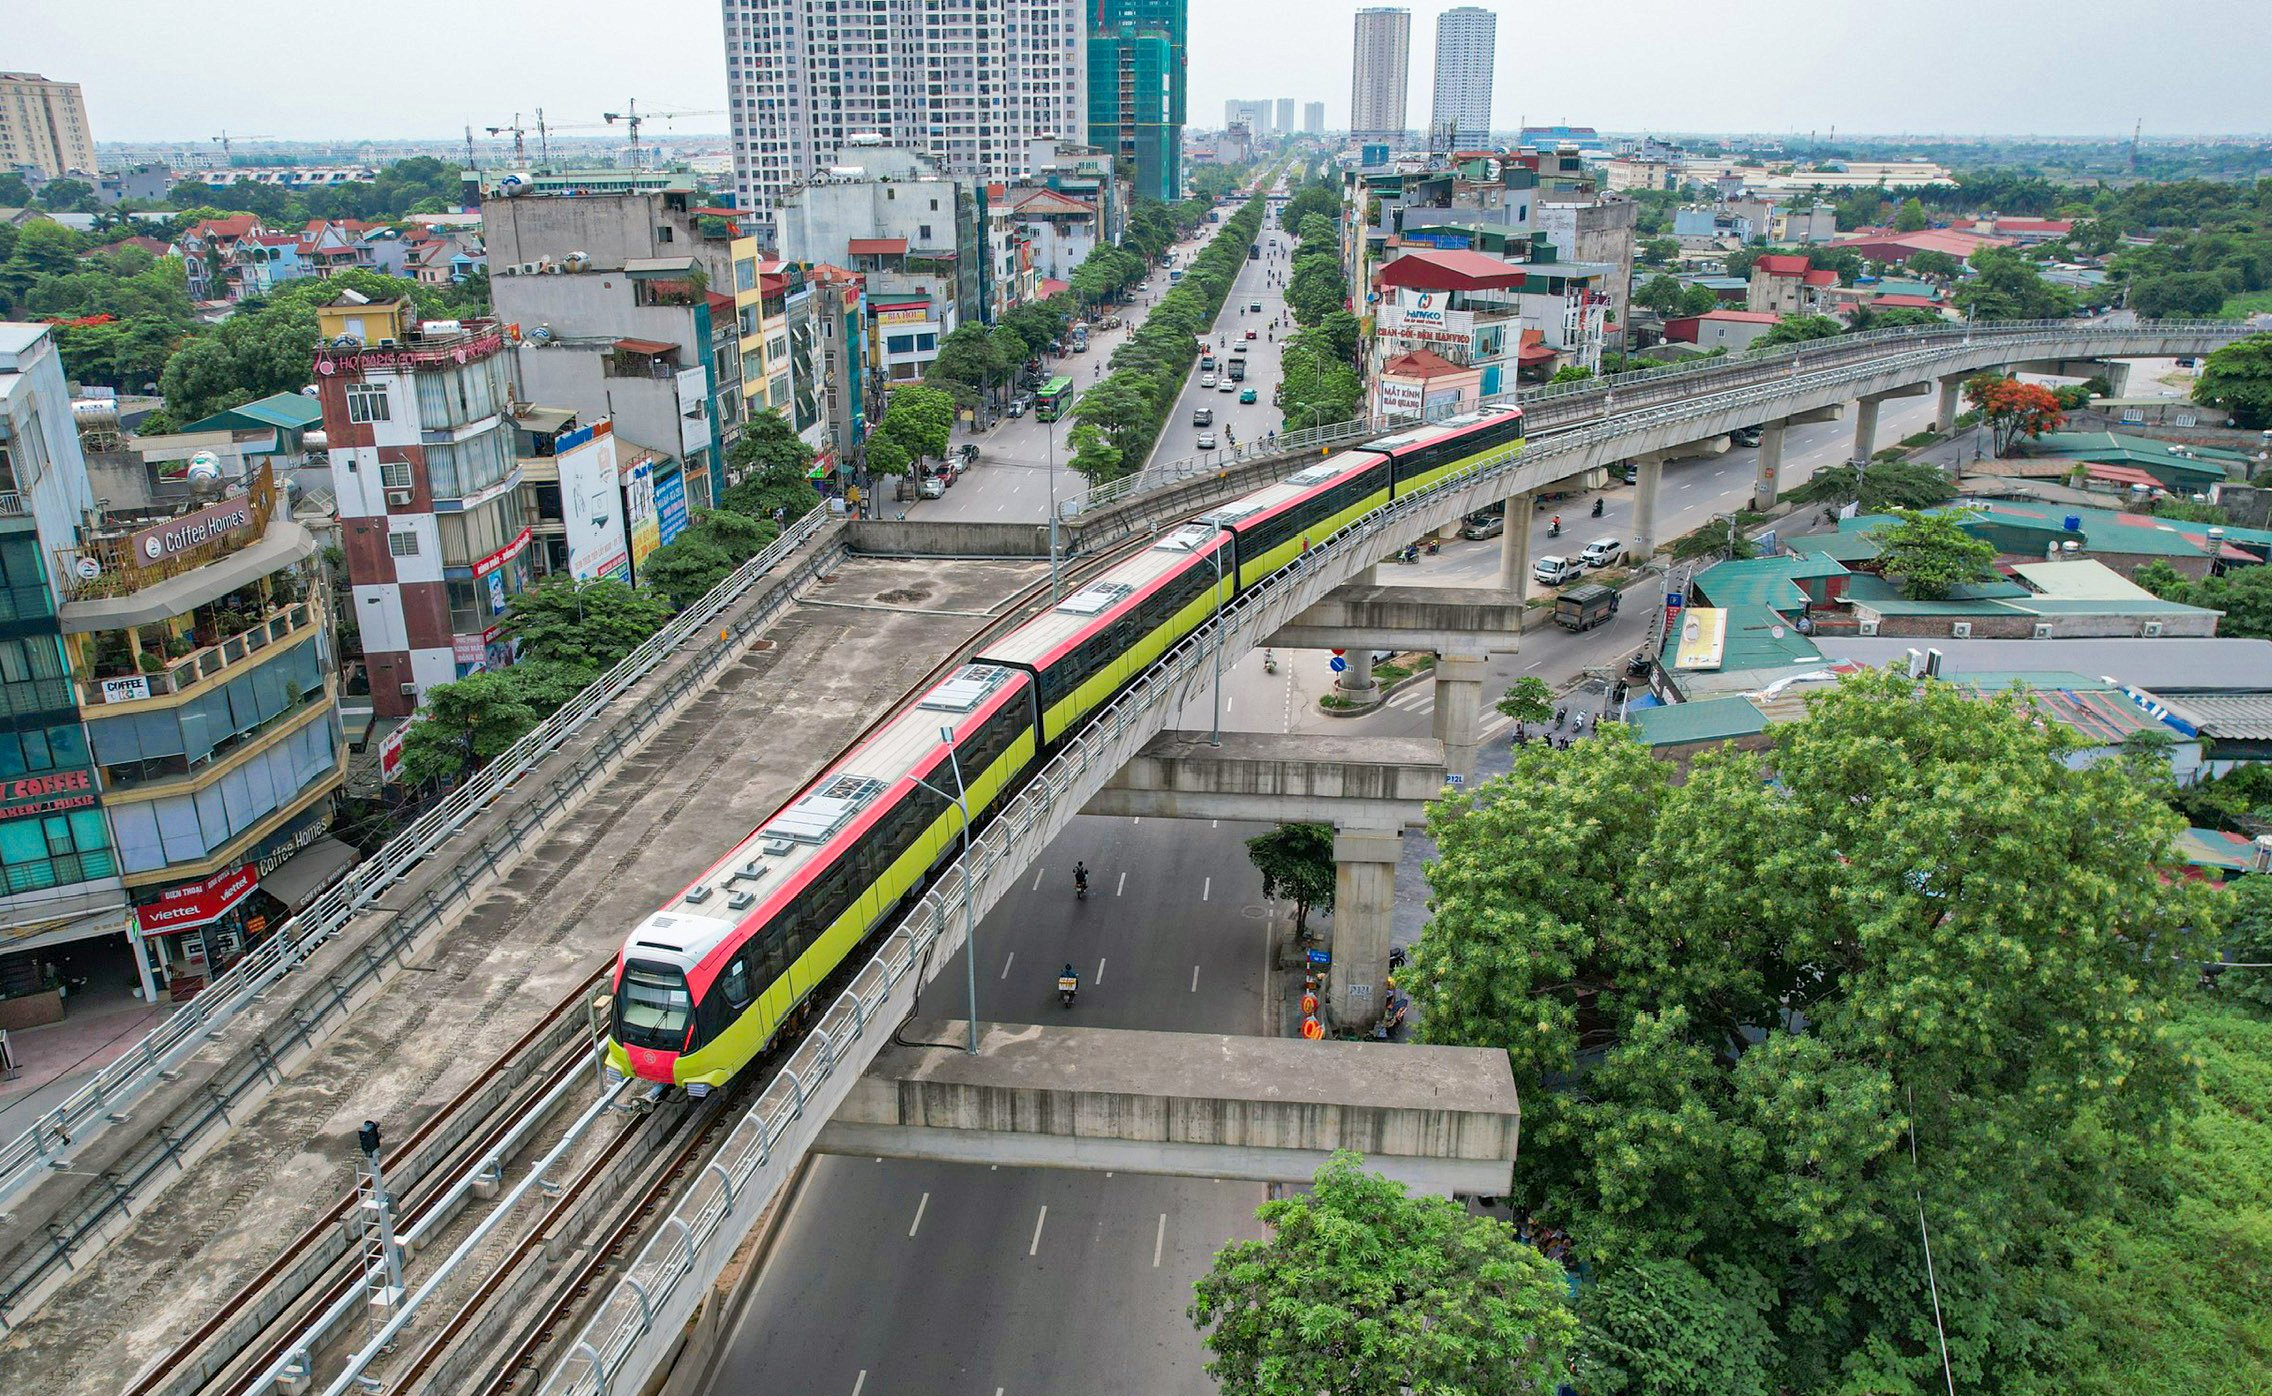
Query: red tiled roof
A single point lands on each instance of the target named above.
(2121, 475)
(1533, 354)
(876, 247)
(1053, 287)
(1907, 303)
(235, 226)
(1781, 264)
(1747, 317)
(1822, 277)
(1041, 201)
(1451, 269)
(719, 303)
(2034, 225)
(1898, 247)
(645, 346)
(1421, 362)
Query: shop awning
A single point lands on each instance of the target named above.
(304, 876)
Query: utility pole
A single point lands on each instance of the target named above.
(470, 162)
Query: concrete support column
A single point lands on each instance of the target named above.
(1946, 405)
(1514, 545)
(1865, 429)
(1769, 482)
(1649, 472)
(1364, 907)
(1356, 682)
(1459, 709)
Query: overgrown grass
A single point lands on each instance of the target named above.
(2249, 303)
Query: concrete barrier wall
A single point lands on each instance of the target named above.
(948, 538)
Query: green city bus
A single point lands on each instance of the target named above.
(1054, 400)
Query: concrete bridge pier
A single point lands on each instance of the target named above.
(1648, 475)
(1769, 481)
(1356, 682)
(1866, 419)
(1364, 907)
(1514, 546)
(1459, 710)
(1951, 398)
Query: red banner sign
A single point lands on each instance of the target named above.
(197, 903)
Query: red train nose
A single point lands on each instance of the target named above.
(649, 1064)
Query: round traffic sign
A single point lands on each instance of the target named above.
(1337, 664)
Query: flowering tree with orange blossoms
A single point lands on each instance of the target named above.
(2013, 409)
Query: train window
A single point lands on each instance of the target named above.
(735, 982)
(653, 1007)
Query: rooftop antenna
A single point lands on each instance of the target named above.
(470, 162)
(2135, 131)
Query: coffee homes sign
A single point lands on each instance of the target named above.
(229, 518)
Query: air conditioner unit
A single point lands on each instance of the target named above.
(2153, 629)
(1960, 630)
(1869, 627)
(408, 690)
(2043, 630)
(400, 497)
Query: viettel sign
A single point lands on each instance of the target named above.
(174, 537)
(198, 903)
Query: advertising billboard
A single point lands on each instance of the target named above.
(591, 502)
(670, 505)
(640, 520)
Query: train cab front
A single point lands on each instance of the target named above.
(653, 1029)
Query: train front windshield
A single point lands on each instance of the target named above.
(653, 1007)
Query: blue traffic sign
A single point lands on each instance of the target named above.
(1674, 601)
(1337, 664)
(1319, 957)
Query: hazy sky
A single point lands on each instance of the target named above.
(160, 69)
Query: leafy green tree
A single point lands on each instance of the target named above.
(1361, 1290)
(465, 724)
(1739, 262)
(1885, 486)
(1931, 554)
(887, 457)
(15, 192)
(1718, 536)
(1528, 700)
(1910, 217)
(1296, 863)
(968, 356)
(770, 466)
(2007, 286)
(1697, 300)
(1899, 317)
(920, 419)
(1660, 293)
(1010, 351)
(588, 623)
(2180, 295)
(1658, 252)
(2238, 379)
(687, 568)
(1734, 1001)
(1944, 265)
(2244, 594)
(1797, 329)
(1571, 373)
(1661, 1327)
(1094, 457)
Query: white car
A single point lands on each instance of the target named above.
(1554, 571)
(1206, 380)
(932, 487)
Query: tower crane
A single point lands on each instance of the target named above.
(520, 149)
(633, 118)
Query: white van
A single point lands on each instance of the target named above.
(1554, 571)
(1601, 552)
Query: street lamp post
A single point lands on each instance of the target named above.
(1049, 434)
(1215, 555)
(961, 801)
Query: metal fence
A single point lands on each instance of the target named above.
(94, 1106)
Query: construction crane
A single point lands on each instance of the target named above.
(520, 148)
(225, 138)
(633, 118)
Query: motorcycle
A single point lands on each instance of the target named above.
(1269, 662)
(1435, 546)
(1597, 508)
(1554, 530)
(1409, 556)
(1067, 986)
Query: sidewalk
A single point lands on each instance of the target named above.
(53, 1061)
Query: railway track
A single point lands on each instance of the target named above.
(533, 1281)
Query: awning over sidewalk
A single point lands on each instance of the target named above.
(305, 874)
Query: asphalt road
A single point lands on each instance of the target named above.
(897, 1276)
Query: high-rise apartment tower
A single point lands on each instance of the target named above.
(43, 127)
(1380, 75)
(1136, 90)
(1466, 49)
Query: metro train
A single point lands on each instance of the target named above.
(706, 982)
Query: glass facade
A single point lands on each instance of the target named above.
(44, 762)
(164, 743)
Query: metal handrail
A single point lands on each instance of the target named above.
(33, 1153)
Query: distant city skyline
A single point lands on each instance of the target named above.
(2048, 77)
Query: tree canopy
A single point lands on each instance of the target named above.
(1764, 1016)
(2238, 378)
(1931, 554)
(2013, 409)
(1884, 486)
(1296, 863)
(591, 624)
(2007, 286)
(1361, 1290)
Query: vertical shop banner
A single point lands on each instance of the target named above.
(670, 505)
(591, 503)
(641, 524)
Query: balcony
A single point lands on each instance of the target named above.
(14, 505)
(474, 339)
(115, 684)
(124, 560)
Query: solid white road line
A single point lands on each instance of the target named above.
(860, 1382)
(1159, 1242)
(1206, 889)
(1037, 878)
(1009, 962)
(1035, 1247)
(919, 1206)
(1120, 886)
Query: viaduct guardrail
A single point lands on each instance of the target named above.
(639, 1323)
(90, 1110)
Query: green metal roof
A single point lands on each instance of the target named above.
(2114, 448)
(1753, 641)
(289, 411)
(1843, 547)
(1705, 720)
(1765, 581)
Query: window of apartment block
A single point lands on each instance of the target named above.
(56, 850)
(402, 543)
(395, 474)
(479, 532)
(367, 402)
(470, 466)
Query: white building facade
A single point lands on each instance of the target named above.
(1466, 51)
(968, 85)
(1380, 75)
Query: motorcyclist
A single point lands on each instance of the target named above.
(1597, 508)
(1080, 879)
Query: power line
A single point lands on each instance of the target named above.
(1917, 1185)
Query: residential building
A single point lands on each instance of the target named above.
(839, 309)
(915, 234)
(1732, 330)
(1479, 311)
(1813, 223)
(1059, 231)
(1786, 284)
(1234, 144)
(208, 252)
(1597, 230)
(1426, 385)
(1313, 118)
(1466, 53)
(618, 298)
(417, 416)
(1380, 75)
(170, 739)
(153, 182)
(1012, 278)
(968, 85)
(1547, 137)
(1136, 92)
(1633, 172)
(43, 128)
